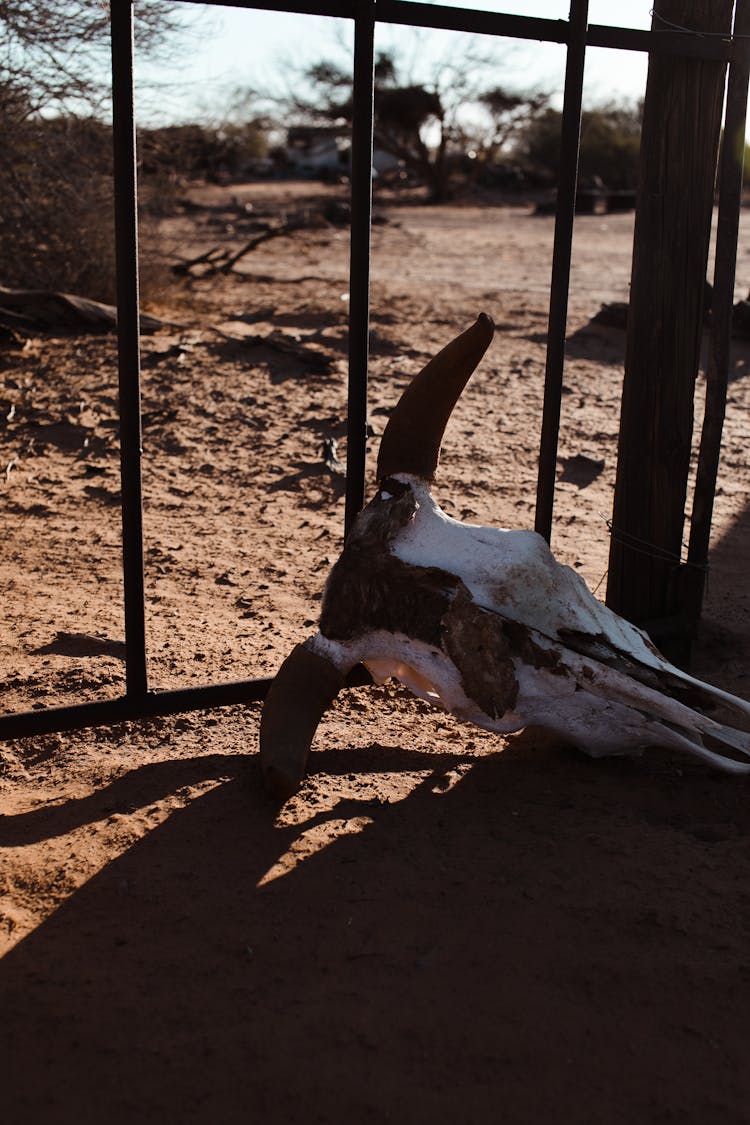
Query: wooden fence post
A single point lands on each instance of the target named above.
(679, 146)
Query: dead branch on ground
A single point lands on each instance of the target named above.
(220, 260)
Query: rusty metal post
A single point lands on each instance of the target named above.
(359, 259)
(126, 243)
(679, 144)
(717, 370)
(562, 250)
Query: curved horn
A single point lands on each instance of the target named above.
(411, 440)
(303, 689)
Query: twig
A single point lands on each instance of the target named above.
(217, 260)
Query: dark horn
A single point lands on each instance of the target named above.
(411, 440)
(304, 688)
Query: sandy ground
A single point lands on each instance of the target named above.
(442, 925)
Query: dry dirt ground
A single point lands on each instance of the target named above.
(443, 925)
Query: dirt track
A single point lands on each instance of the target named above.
(443, 925)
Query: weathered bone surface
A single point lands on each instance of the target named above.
(483, 622)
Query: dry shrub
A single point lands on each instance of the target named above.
(57, 219)
(56, 227)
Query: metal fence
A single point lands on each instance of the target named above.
(577, 35)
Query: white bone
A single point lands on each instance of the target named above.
(585, 700)
(483, 622)
(514, 573)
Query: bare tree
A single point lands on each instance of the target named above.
(508, 113)
(56, 53)
(55, 175)
(428, 115)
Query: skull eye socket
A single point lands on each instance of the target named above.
(392, 489)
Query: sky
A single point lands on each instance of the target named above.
(231, 48)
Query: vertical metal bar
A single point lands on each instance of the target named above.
(126, 245)
(717, 369)
(561, 257)
(359, 260)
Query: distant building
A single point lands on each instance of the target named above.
(319, 150)
(325, 151)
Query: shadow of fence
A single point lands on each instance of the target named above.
(510, 940)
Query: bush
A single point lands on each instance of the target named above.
(56, 222)
(610, 144)
(201, 151)
(57, 219)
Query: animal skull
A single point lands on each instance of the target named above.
(483, 622)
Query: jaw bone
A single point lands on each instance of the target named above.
(483, 622)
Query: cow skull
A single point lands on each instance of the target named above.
(483, 622)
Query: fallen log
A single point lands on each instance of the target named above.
(25, 309)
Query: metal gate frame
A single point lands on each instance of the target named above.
(576, 34)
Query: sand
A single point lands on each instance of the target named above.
(443, 925)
